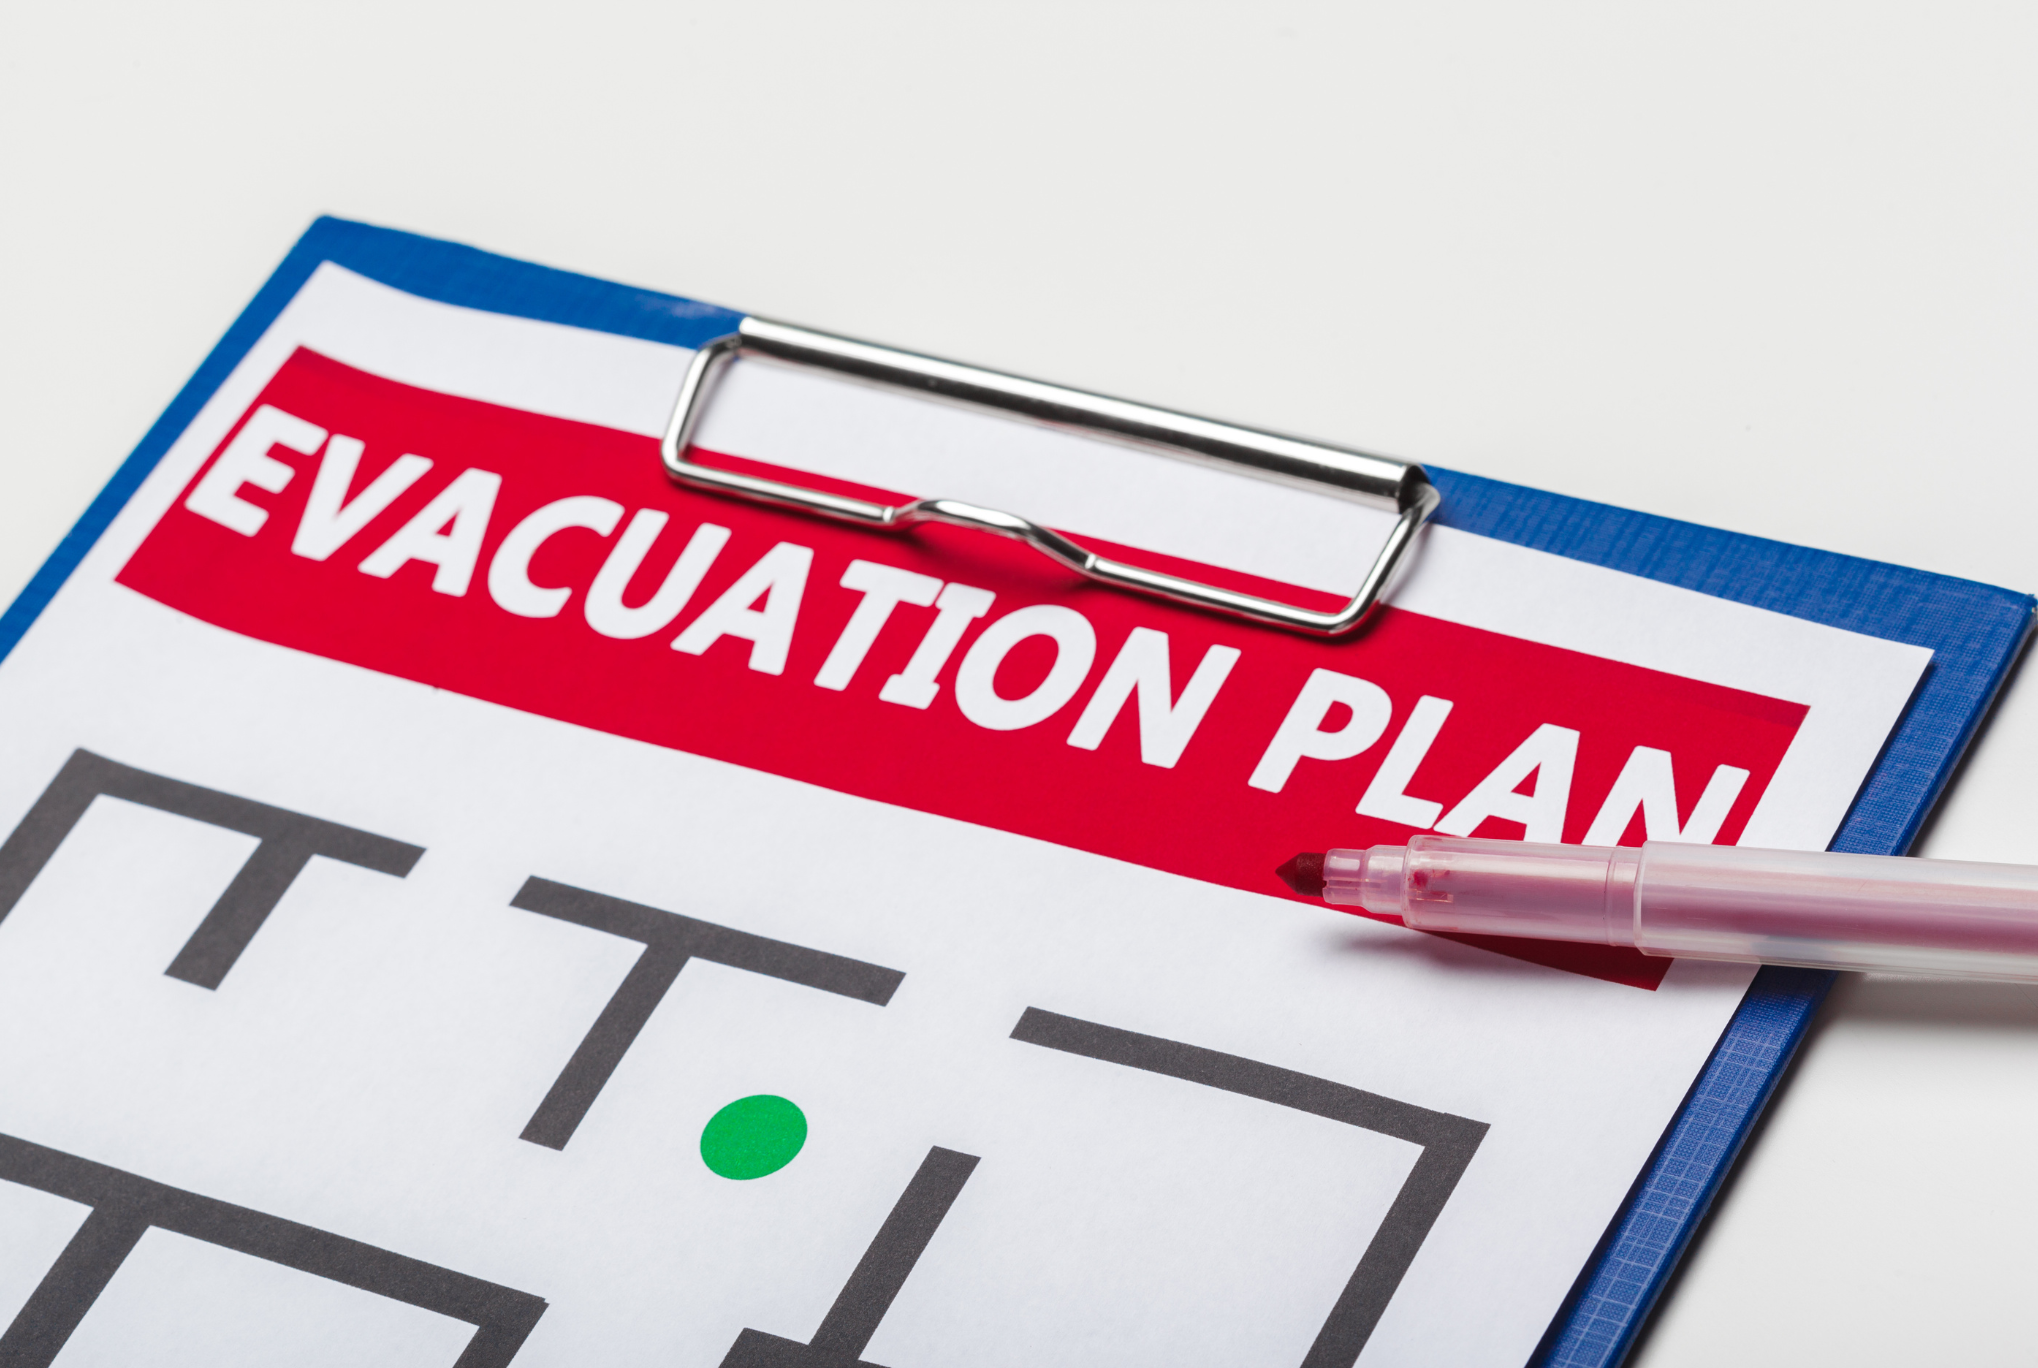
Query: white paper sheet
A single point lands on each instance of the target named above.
(369, 1065)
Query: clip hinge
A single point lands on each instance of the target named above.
(1397, 485)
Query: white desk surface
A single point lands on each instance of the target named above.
(1765, 266)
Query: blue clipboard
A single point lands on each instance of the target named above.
(1975, 632)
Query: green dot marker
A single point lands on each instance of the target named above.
(753, 1136)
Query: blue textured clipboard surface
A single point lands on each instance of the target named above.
(1974, 631)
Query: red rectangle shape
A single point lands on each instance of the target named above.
(537, 563)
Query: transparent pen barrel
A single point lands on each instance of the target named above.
(1502, 888)
(1837, 911)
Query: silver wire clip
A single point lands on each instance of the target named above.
(1397, 485)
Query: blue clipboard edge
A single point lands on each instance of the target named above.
(1974, 630)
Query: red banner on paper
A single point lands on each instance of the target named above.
(540, 564)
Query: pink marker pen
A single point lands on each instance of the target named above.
(1703, 902)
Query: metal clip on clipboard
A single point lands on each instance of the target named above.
(1374, 480)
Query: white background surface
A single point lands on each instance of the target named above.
(1766, 267)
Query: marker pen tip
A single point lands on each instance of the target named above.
(1304, 874)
